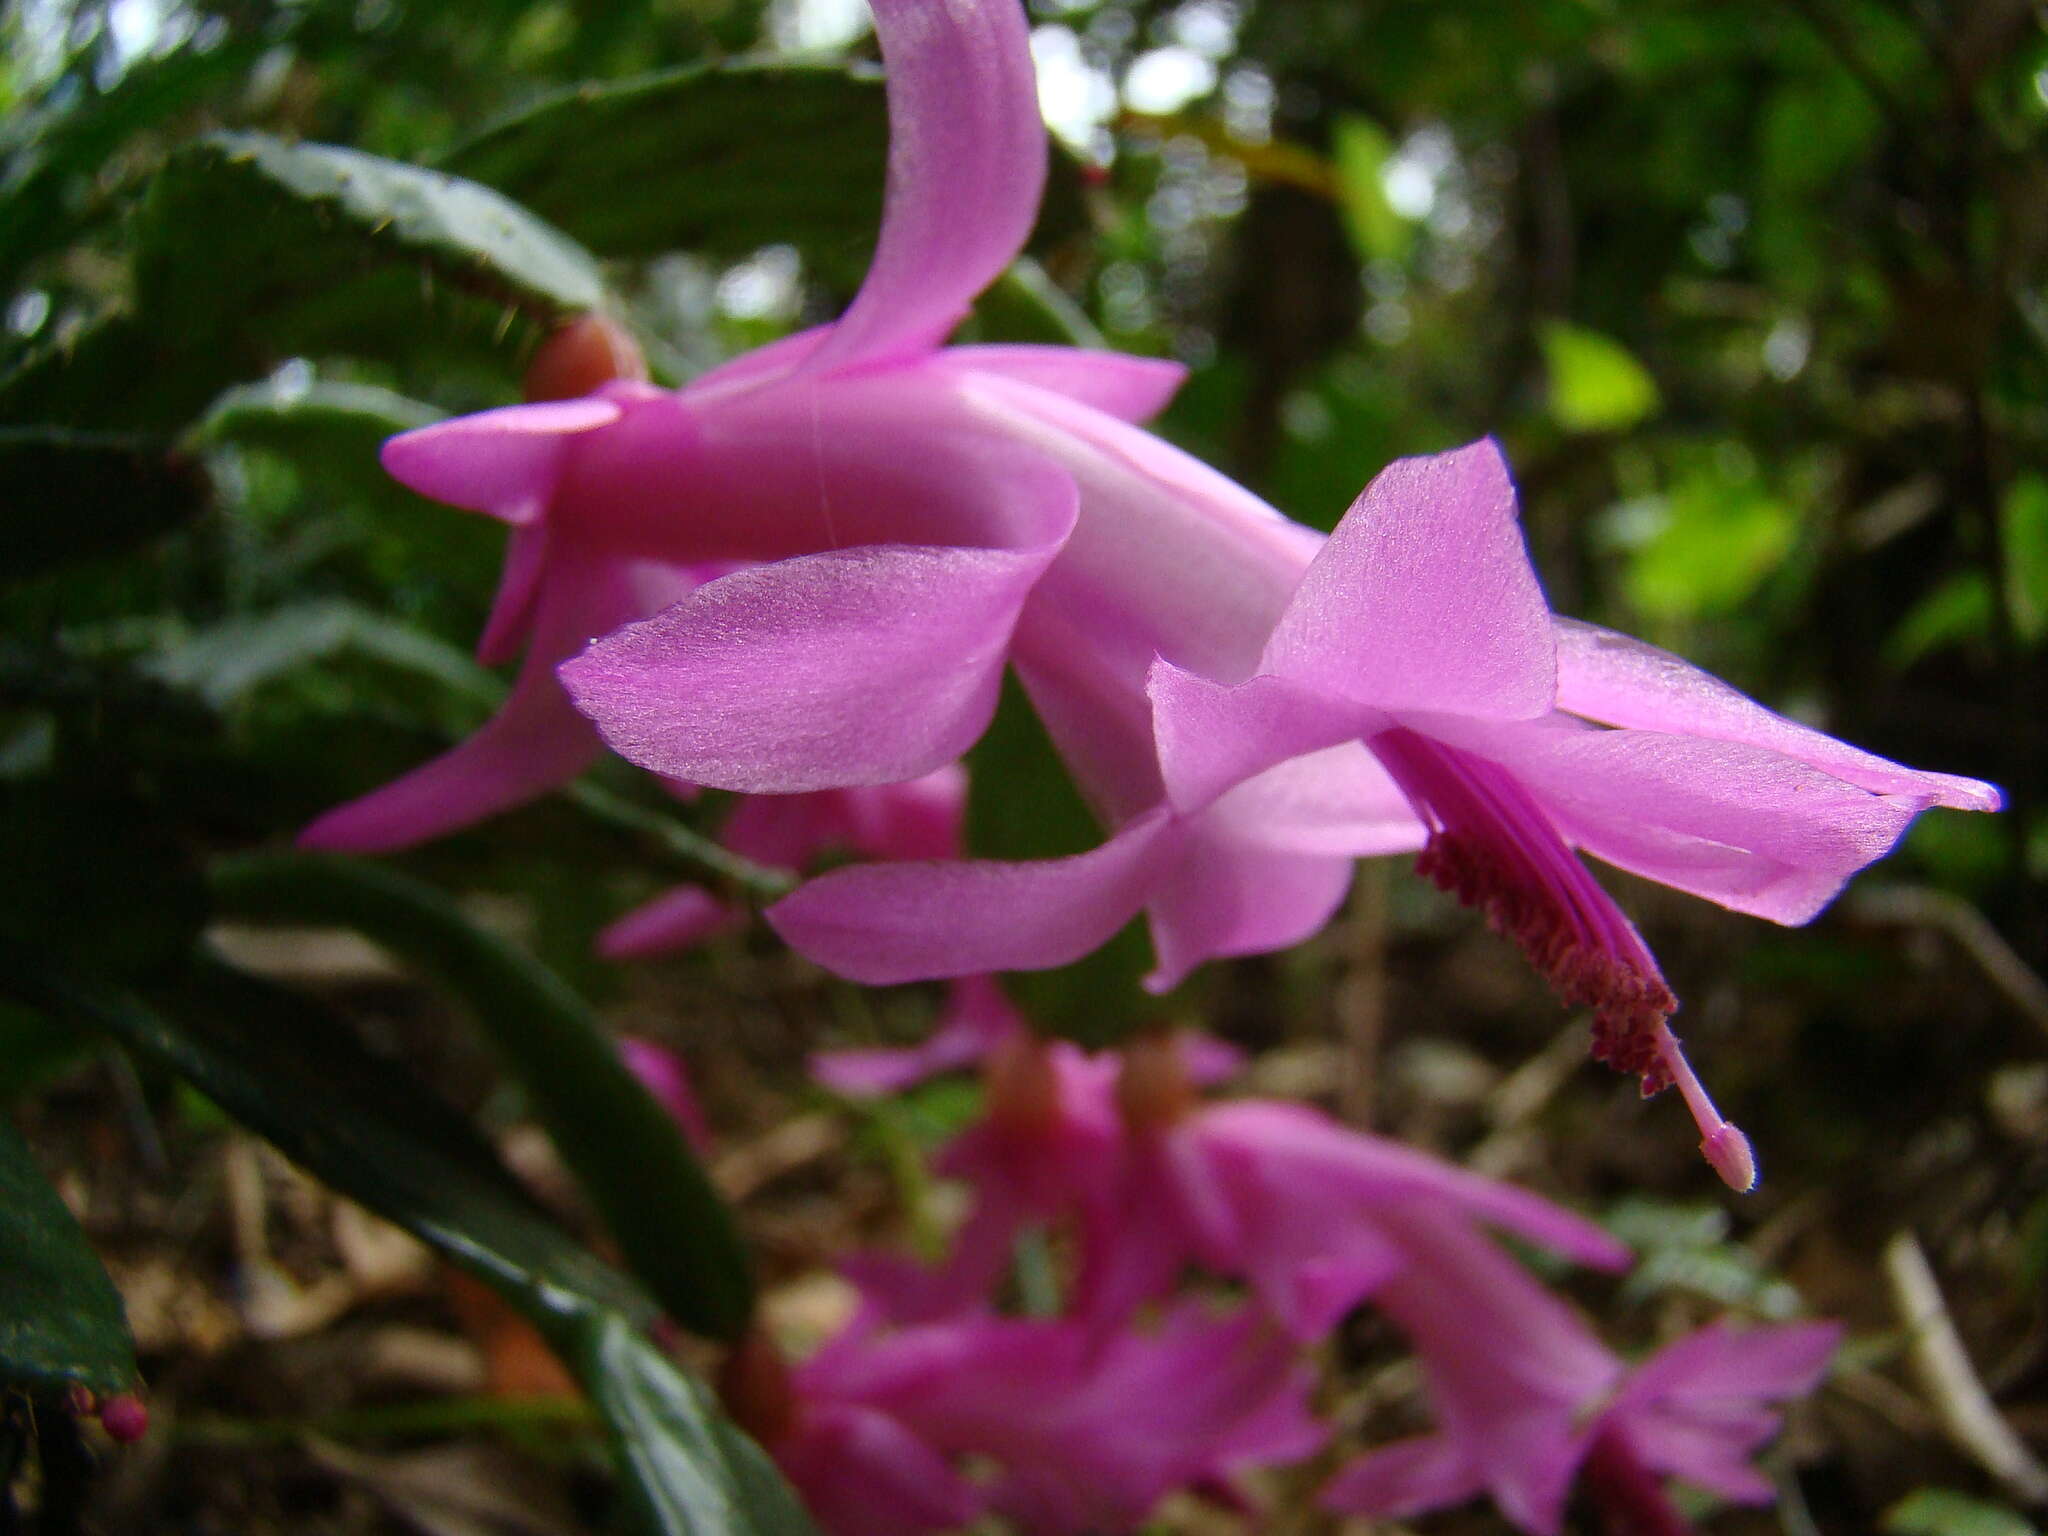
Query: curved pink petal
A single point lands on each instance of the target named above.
(966, 166)
(1738, 1364)
(1129, 388)
(1212, 737)
(662, 1073)
(677, 919)
(512, 609)
(1424, 597)
(504, 462)
(863, 1474)
(1408, 1477)
(860, 666)
(1620, 680)
(978, 1018)
(535, 743)
(1741, 825)
(1339, 800)
(885, 923)
(1226, 899)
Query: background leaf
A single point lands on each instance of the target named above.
(60, 1317)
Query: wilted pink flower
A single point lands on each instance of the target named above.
(1528, 1400)
(1084, 1434)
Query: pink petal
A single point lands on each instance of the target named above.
(1741, 825)
(677, 919)
(535, 743)
(1212, 737)
(504, 462)
(966, 166)
(862, 666)
(1424, 597)
(1614, 678)
(1753, 1364)
(1225, 899)
(662, 1073)
(1408, 1477)
(885, 923)
(977, 1020)
(512, 610)
(863, 1474)
(1338, 800)
(1129, 388)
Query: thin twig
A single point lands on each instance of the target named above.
(1948, 1379)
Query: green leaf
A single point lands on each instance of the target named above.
(35, 1048)
(721, 159)
(60, 1316)
(1945, 1512)
(1958, 612)
(691, 1471)
(2023, 526)
(609, 1129)
(367, 1128)
(327, 428)
(55, 159)
(1361, 149)
(229, 660)
(1595, 384)
(95, 877)
(74, 495)
(1720, 537)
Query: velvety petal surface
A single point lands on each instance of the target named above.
(677, 919)
(1674, 807)
(886, 923)
(1129, 388)
(967, 155)
(860, 666)
(1424, 597)
(1212, 737)
(1225, 899)
(504, 462)
(1620, 680)
(1409, 1477)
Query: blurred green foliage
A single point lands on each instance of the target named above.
(1755, 296)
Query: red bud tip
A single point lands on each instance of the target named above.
(124, 1418)
(584, 355)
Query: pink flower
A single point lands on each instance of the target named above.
(977, 1022)
(1419, 635)
(1302, 1208)
(1084, 1434)
(1529, 1400)
(915, 820)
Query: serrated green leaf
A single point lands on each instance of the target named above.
(721, 159)
(610, 1131)
(691, 1471)
(75, 495)
(1595, 384)
(54, 158)
(1945, 1512)
(60, 1317)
